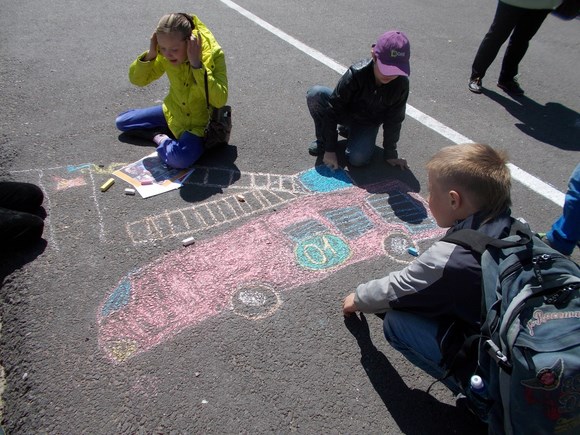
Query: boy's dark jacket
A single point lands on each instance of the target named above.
(357, 98)
(444, 283)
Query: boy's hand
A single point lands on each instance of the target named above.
(330, 160)
(348, 305)
(194, 50)
(152, 53)
(401, 163)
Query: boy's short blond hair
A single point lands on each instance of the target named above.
(478, 171)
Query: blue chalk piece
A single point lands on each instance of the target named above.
(413, 251)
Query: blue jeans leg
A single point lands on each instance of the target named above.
(318, 101)
(416, 338)
(565, 232)
(148, 118)
(360, 146)
(182, 153)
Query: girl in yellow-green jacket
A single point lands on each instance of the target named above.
(183, 48)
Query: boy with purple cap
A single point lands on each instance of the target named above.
(371, 93)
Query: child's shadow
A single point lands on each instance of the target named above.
(415, 411)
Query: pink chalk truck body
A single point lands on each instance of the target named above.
(247, 268)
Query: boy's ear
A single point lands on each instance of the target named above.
(454, 199)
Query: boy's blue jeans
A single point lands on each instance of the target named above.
(416, 338)
(565, 232)
(361, 140)
(180, 153)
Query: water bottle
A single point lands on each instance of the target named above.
(477, 386)
(479, 398)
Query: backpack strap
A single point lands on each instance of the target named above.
(476, 241)
(479, 242)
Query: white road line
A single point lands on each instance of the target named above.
(518, 174)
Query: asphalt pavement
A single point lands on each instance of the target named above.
(111, 325)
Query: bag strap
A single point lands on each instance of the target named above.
(479, 242)
(206, 91)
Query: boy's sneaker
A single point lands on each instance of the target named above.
(511, 87)
(475, 85)
(316, 148)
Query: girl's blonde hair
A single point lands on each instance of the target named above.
(477, 170)
(178, 22)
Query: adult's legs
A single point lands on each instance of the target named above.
(416, 338)
(565, 232)
(505, 19)
(527, 26)
(180, 153)
(361, 144)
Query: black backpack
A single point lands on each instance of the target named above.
(528, 349)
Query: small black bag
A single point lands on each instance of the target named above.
(218, 129)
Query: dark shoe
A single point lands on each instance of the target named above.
(343, 131)
(511, 87)
(475, 85)
(316, 148)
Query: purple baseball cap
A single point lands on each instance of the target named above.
(392, 52)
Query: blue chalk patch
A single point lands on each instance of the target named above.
(74, 168)
(118, 299)
(324, 179)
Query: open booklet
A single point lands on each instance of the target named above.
(150, 176)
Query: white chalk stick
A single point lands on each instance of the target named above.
(129, 191)
(188, 241)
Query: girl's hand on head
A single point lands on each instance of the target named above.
(152, 53)
(194, 50)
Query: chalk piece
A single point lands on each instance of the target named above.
(188, 241)
(129, 191)
(241, 198)
(413, 251)
(107, 184)
(146, 182)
